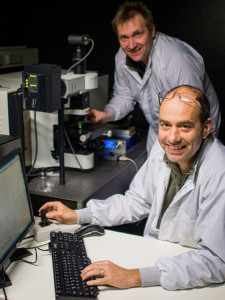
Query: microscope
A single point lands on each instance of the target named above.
(82, 138)
(67, 92)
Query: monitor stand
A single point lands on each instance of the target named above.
(4, 279)
(18, 254)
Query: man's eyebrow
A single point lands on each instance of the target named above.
(163, 121)
(185, 122)
(123, 36)
(133, 33)
(138, 31)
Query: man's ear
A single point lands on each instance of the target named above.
(207, 128)
(153, 31)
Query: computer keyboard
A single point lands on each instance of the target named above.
(69, 258)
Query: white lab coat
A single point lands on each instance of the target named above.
(195, 218)
(171, 63)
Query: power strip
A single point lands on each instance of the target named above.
(43, 233)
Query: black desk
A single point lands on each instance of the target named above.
(104, 180)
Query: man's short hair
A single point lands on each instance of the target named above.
(128, 10)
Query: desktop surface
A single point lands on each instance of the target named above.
(129, 251)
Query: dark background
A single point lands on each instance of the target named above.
(46, 26)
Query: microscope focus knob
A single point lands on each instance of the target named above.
(85, 137)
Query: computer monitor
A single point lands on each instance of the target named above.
(16, 215)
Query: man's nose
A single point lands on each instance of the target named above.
(174, 136)
(131, 43)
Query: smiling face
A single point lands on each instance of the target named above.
(135, 38)
(180, 130)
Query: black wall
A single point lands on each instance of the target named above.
(201, 23)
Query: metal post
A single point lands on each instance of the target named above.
(61, 143)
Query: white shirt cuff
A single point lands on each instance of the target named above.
(150, 276)
(84, 215)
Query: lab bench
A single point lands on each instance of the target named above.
(105, 179)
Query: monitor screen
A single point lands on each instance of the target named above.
(16, 215)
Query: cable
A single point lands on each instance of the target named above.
(92, 46)
(42, 249)
(28, 237)
(29, 248)
(36, 256)
(4, 292)
(71, 147)
(122, 157)
(31, 262)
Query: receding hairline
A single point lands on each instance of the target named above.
(188, 87)
(202, 99)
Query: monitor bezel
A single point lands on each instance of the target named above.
(3, 160)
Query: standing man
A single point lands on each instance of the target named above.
(147, 63)
(180, 189)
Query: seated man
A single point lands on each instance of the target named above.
(180, 189)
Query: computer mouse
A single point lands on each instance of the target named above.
(91, 229)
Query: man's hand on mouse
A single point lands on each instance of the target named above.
(107, 273)
(59, 212)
